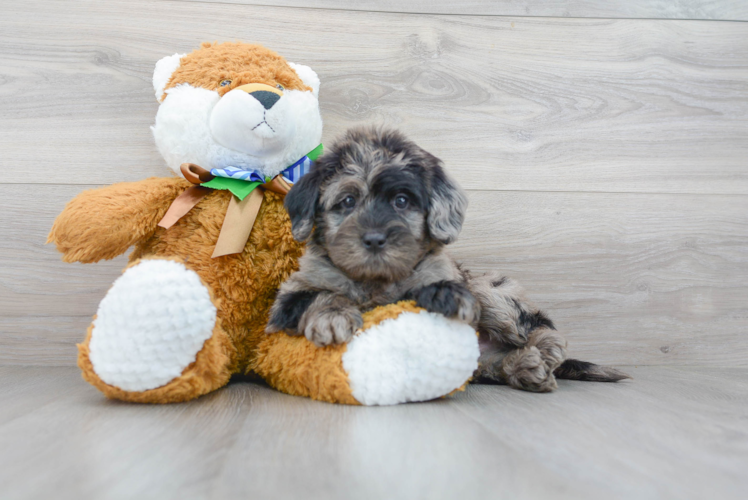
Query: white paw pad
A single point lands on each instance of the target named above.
(414, 357)
(151, 325)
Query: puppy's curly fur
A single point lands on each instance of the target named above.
(378, 211)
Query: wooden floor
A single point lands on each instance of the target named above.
(604, 147)
(672, 432)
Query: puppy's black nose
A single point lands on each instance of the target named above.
(267, 99)
(374, 240)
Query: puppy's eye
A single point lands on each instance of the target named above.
(280, 87)
(348, 202)
(401, 201)
(225, 83)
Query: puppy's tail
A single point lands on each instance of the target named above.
(573, 369)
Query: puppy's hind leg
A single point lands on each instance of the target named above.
(532, 367)
(506, 316)
(536, 366)
(519, 344)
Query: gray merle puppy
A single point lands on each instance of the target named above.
(379, 211)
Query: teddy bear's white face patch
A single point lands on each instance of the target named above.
(257, 123)
(197, 125)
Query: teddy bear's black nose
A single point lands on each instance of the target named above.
(267, 99)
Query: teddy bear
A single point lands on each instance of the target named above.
(238, 125)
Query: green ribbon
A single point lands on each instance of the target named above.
(240, 188)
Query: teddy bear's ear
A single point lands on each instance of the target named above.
(308, 76)
(164, 69)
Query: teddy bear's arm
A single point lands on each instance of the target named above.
(103, 223)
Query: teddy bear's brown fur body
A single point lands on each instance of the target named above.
(242, 285)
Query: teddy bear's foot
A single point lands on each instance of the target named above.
(155, 338)
(401, 354)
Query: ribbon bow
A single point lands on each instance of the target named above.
(245, 202)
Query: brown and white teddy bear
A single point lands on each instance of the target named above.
(238, 124)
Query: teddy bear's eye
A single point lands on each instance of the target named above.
(280, 87)
(225, 83)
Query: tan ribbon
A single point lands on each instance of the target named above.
(240, 215)
(183, 204)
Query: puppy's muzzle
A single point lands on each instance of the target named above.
(374, 241)
(265, 94)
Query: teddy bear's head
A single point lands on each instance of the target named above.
(235, 105)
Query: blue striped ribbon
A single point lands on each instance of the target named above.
(290, 174)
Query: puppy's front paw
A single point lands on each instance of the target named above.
(451, 299)
(332, 325)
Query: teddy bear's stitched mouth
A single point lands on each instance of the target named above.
(264, 120)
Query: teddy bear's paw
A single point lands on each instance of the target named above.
(413, 357)
(151, 325)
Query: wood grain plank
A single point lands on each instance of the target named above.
(404, 452)
(26, 389)
(41, 340)
(97, 448)
(631, 278)
(27, 216)
(513, 104)
(726, 10)
(669, 433)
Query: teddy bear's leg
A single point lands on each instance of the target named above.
(156, 338)
(296, 366)
(402, 353)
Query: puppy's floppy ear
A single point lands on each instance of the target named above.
(447, 205)
(301, 203)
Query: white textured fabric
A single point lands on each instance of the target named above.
(165, 67)
(414, 357)
(307, 75)
(150, 326)
(241, 123)
(197, 125)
